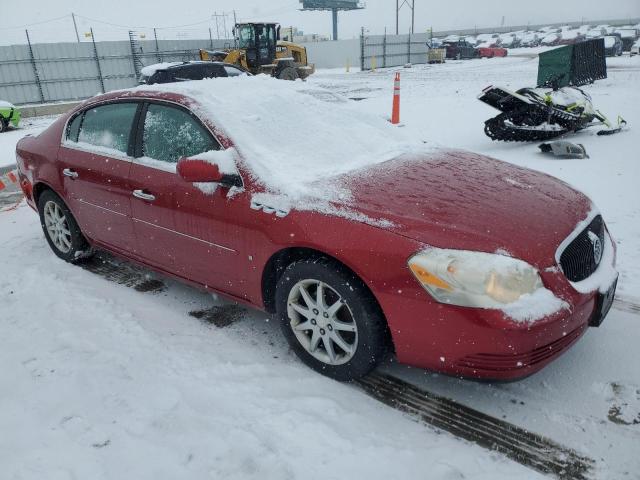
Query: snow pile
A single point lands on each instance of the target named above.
(534, 306)
(293, 137)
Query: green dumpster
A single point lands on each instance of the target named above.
(576, 65)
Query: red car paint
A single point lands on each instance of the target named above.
(490, 52)
(456, 200)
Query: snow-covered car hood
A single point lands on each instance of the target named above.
(456, 199)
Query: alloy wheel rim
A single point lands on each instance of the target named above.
(322, 322)
(55, 222)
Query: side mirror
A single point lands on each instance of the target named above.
(201, 171)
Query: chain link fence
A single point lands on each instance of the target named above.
(55, 72)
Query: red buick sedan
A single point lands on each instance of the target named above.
(362, 240)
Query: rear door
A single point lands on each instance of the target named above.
(175, 229)
(95, 158)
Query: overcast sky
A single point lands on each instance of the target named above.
(378, 14)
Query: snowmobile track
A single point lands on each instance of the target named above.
(525, 447)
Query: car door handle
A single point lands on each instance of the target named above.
(141, 194)
(67, 172)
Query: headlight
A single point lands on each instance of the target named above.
(474, 279)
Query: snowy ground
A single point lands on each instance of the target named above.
(102, 381)
(9, 138)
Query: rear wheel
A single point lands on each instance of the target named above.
(330, 319)
(60, 229)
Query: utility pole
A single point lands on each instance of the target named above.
(215, 15)
(334, 14)
(75, 26)
(397, 14)
(155, 37)
(413, 16)
(224, 25)
(235, 19)
(412, 5)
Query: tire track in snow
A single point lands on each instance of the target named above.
(527, 448)
(625, 305)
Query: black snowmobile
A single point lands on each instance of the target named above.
(539, 114)
(557, 106)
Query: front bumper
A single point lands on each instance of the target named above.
(482, 344)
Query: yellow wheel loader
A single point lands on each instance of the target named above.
(258, 49)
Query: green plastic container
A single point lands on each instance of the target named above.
(576, 65)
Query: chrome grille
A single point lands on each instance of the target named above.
(580, 258)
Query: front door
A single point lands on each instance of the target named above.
(172, 232)
(95, 158)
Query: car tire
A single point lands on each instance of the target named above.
(61, 230)
(344, 342)
(4, 125)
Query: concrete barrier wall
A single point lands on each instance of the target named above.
(334, 54)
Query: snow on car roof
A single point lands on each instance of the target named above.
(292, 134)
(151, 69)
(4, 104)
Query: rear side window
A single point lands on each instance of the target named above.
(190, 72)
(108, 126)
(171, 133)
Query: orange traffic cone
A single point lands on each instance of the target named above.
(395, 113)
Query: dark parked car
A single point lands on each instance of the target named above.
(612, 46)
(184, 71)
(628, 37)
(460, 50)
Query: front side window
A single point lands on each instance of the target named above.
(107, 126)
(171, 133)
(246, 37)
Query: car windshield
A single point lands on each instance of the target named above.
(246, 38)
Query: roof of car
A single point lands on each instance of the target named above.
(151, 69)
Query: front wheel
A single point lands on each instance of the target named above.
(330, 319)
(288, 73)
(60, 229)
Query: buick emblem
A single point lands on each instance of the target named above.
(597, 247)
